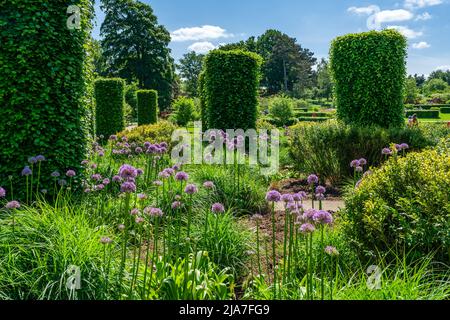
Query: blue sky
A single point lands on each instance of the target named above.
(204, 24)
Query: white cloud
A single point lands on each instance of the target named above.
(421, 45)
(393, 15)
(364, 10)
(202, 47)
(205, 32)
(409, 33)
(423, 17)
(443, 68)
(416, 4)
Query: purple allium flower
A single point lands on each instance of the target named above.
(321, 189)
(139, 220)
(147, 144)
(404, 146)
(87, 190)
(292, 206)
(181, 176)
(386, 151)
(105, 240)
(354, 164)
(134, 212)
(113, 137)
(320, 197)
(139, 172)
(106, 181)
(170, 171)
(116, 179)
(128, 187)
(126, 172)
(287, 198)
(163, 175)
(96, 177)
(13, 205)
(32, 160)
(163, 145)
(313, 179)
(218, 208)
(100, 187)
(138, 150)
(176, 205)
(70, 173)
(26, 171)
(62, 182)
(124, 139)
(157, 183)
(153, 212)
(121, 227)
(94, 166)
(101, 153)
(191, 189)
(309, 214)
(176, 167)
(142, 196)
(208, 185)
(84, 162)
(398, 147)
(362, 162)
(40, 158)
(55, 174)
(359, 169)
(307, 228)
(273, 196)
(332, 251)
(323, 217)
(2, 192)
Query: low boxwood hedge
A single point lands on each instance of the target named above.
(423, 114)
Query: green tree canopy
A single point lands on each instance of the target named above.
(190, 67)
(135, 47)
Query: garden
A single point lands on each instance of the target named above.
(122, 179)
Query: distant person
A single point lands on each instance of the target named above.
(415, 120)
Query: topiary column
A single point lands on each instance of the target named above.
(109, 115)
(147, 101)
(369, 72)
(43, 69)
(230, 84)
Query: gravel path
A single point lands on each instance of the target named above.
(330, 205)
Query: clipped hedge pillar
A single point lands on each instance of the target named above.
(109, 97)
(43, 77)
(147, 101)
(369, 72)
(230, 89)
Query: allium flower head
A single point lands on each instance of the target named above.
(163, 175)
(332, 251)
(323, 217)
(13, 205)
(70, 173)
(32, 160)
(116, 179)
(181, 176)
(121, 227)
(404, 146)
(126, 172)
(100, 187)
(55, 174)
(153, 212)
(106, 181)
(191, 189)
(176, 205)
(386, 151)
(128, 187)
(134, 212)
(84, 162)
(105, 240)
(208, 185)
(292, 206)
(139, 220)
(40, 158)
(321, 189)
(313, 179)
(26, 171)
(113, 137)
(273, 196)
(138, 150)
(362, 162)
(287, 198)
(309, 214)
(320, 196)
(139, 172)
(2, 192)
(354, 164)
(62, 182)
(96, 177)
(307, 228)
(157, 183)
(218, 208)
(359, 169)
(142, 196)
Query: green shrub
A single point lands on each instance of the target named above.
(445, 110)
(328, 148)
(314, 114)
(184, 111)
(301, 104)
(281, 109)
(369, 73)
(109, 111)
(147, 101)
(231, 81)
(43, 80)
(154, 133)
(263, 124)
(131, 99)
(312, 119)
(403, 206)
(424, 114)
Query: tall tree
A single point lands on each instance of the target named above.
(135, 47)
(324, 82)
(440, 74)
(190, 67)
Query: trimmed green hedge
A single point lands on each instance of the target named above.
(445, 110)
(311, 119)
(369, 72)
(109, 111)
(424, 114)
(147, 101)
(43, 72)
(427, 106)
(314, 114)
(231, 81)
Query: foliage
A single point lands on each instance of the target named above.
(109, 111)
(435, 86)
(154, 133)
(190, 67)
(440, 74)
(42, 91)
(445, 110)
(148, 59)
(131, 99)
(184, 111)
(147, 102)
(231, 80)
(424, 114)
(281, 110)
(411, 90)
(328, 148)
(324, 81)
(403, 205)
(368, 70)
